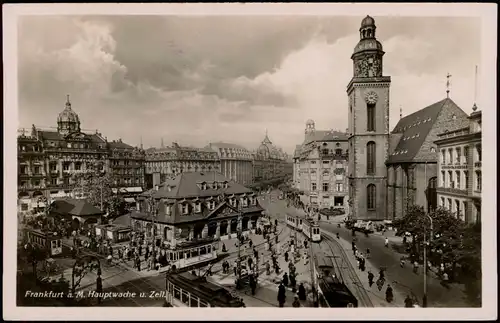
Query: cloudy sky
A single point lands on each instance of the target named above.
(200, 79)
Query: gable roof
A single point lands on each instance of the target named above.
(119, 145)
(414, 129)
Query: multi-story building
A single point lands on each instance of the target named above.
(195, 205)
(459, 170)
(269, 163)
(236, 162)
(320, 168)
(167, 162)
(49, 160)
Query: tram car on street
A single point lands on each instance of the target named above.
(311, 230)
(48, 241)
(332, 292)
(294, 222)
(192, 254)
(188, 290)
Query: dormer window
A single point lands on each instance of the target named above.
(225, 184)
(254, 200)
(168, 209)
(244, 202)
(211, 204)
(197, 207)
(232, 202)
(185, 208)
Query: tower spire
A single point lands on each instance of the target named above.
(448, 85)
(400, 112)
(141, 143)
(162, 143)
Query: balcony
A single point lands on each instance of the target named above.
(477, 164)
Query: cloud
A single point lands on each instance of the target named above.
(196, 80)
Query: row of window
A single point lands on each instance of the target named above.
(460, 208)
(455, 155)
(196, 206)
(460, 180)
(338, 164)
(339, 187)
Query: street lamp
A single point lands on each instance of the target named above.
(424, 299)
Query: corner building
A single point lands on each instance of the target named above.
(368, 94)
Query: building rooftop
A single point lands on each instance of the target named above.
(414, 129)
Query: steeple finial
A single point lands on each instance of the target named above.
(141, 142)
(68, 104)
(474, 107)
(448, 85)
(162, 146)
(400, 112)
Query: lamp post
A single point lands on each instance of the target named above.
(424, 299)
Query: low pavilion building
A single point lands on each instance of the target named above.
(196, 205)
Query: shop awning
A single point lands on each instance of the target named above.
(129, 200)
(128, 190)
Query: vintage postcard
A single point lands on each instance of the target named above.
(314, 157)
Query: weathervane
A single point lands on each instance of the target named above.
(448, 85)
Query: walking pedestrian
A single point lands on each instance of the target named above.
(389, 297)
(302, 292)
(281, 295)
(296, 302)
(268, 268)
(276, 239)
(445, 280)
(286, 256)
(386, 242)
(367, 253)
(415, 267)
(285, 279)
(235, 268)
(370, 278)
(99, 288)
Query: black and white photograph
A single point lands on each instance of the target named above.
(311, 156)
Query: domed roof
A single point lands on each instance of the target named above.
(310, 122)
(68, 115)
(368, 44)
(367, 21)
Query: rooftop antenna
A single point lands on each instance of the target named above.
(448, 85)
(474, 107)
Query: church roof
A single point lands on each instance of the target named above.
(414, 129)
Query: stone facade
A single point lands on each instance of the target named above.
(166, 162)
(236, 162)
(320, 168)
(270, 163)
(459, 170)
(368, 94)
(48, 161)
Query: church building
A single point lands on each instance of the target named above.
(390, 171)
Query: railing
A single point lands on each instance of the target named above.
(451, 190)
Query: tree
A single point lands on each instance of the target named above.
(36, 255)
(96, 186)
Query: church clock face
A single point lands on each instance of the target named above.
(371, 97)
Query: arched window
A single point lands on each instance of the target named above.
(370, 158)
(370, 109)
(371, 191)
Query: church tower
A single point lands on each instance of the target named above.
(368, 94)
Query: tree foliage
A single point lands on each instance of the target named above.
(453, 242)
(97, 187)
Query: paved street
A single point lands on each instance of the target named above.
(438, 296)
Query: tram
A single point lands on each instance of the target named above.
(191, 254)
(188, 290)
(332, 292)
(51, 242)
(311, 230)
(294, 222)
(304, 225)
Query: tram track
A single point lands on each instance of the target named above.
(337, 249)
